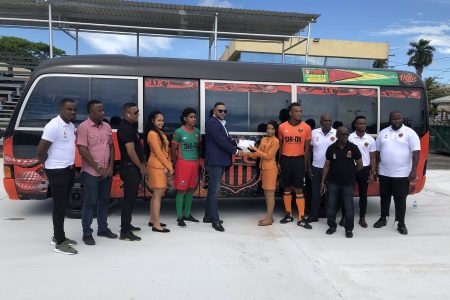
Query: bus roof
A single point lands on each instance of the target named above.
(122, 65)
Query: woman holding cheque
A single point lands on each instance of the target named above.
(269, 171)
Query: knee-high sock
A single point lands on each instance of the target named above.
(179, 204)
(187, 204)
(300, 201)
(287, 199)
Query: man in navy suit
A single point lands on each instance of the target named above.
(220, 148)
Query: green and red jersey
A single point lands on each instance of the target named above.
(187, 142)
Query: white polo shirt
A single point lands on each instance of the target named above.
(366, 144)
(396, 147)
(320, 143)
(61, 153)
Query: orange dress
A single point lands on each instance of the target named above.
(158, 160)
(269, 170)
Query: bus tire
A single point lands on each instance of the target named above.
(74, 206)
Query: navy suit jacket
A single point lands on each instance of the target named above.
(219, 146)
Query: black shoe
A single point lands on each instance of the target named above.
(304, 224)
(207, 220)
(129, 236)
(331, 230)
(163, 230)
(218, 227)
(287, 218)
(88, 240)
(180, 222)
(401, 228)
(342, 222)
(348, 234)
(132, 228)
(362, 222)
(151, 224)
(107, 233)
(191, 219)
(380, 223)
(312, 220)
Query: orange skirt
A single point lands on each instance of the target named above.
(157, 179)
(269, 179)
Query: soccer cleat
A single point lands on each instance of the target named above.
(69, 241)
(129, 236)
(380, 223)
(304, 224)
(287, 218)
(180, 222)
(65, 248)
(191, 219)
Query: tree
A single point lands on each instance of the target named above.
(421, 55)
(18, 50)
(380, 64)
(435, 90)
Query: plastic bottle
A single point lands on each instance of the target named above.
(415, 204)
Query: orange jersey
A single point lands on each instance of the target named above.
(293, 138)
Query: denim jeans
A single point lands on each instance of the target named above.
(61, 182)
(97, 192)
(214, 177)
(345, 192)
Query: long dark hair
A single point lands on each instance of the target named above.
(151, 127)
(275, 125)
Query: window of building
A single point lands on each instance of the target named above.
(248, 105)
(171, 97)
(342, 103)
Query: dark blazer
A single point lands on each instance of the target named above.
(219, 146)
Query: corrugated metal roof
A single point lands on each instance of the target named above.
(145, 14)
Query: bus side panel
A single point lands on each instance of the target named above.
(420, 183)
(9, 183)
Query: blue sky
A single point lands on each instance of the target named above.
(397, 22)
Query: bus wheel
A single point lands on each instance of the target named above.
(75, 204)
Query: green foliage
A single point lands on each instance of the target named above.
(420, 55)
(380, 64)
(435, 90)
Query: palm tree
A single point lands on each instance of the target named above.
(421, 55)
(380, 64)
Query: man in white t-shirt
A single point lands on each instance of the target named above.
(56, 150)
(367, 147)
(322, 138)
(398, 150)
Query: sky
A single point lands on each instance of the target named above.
(397, 22)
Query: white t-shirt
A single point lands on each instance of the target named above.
(61, 153)
(396, 147)
(320, 143)
(366, 144)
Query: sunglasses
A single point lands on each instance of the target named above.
(222, 111)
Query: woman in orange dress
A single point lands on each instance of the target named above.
(269, 170)
(158, 166)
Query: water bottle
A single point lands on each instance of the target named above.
(415, 204)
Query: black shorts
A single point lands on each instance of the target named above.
(292, 171)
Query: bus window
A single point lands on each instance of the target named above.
(249, 105)
(343, 103)
(170, 96)
(409, 102)
(114, 93)
(43, 103)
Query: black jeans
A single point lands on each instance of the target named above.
(317, 198)
(397, 187)
(361, 179)
(131, 177)
(61, 182)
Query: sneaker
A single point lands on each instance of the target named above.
(129, 236)
(304, 224)
(107, 233)
(331, 230)
(180, 222)
(380, 223)
(65, 248)
(342, 222)
(132, 228)
(401, 228)
(348, 234)
(362, 222)
(191, 219)
(69, 241)
(88, 240)
(287, 218)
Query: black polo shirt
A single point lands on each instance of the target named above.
(127, 133)
(342, 163)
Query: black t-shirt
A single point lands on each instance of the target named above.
(127, 133)
(342, 163)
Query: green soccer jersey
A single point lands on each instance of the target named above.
(187, 142)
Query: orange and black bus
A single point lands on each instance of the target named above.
(253, 93)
